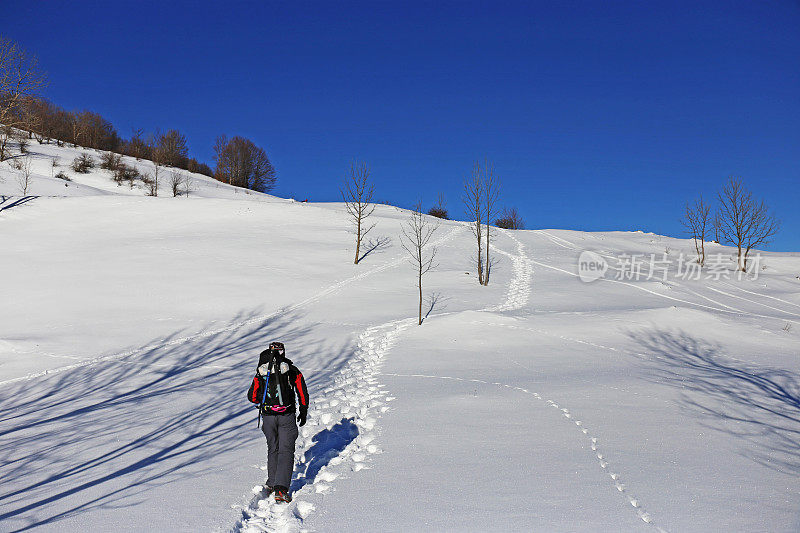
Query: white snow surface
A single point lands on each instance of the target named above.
(132, 325)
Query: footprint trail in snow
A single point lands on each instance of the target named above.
(337, 439)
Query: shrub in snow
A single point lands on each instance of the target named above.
(83, 164)
(440, 209)
(438, 212)
(110, 161)
(150, 184)
(126, 173)
(510, 219)
(63, 176)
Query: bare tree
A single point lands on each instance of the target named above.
(696, 218)
(20, 78)
(7, 134)
(243, 164)
(744, 222)
(24, 174)
(473, 195)
(417, 233)
(491, 196)
(510, 219)
(357, 192)
(150, 184)
(188, 185)
(157, 157)
(94, 131)
(176, 183)
(136, 146)
(716, 224)
(172, 146)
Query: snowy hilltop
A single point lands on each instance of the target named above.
(597, 383)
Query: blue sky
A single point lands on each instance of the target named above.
(597, 115)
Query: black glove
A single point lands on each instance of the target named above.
(301, 418)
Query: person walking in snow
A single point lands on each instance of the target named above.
(273, 389)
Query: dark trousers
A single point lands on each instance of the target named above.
(281, 432)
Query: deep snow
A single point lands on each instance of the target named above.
(132, 326)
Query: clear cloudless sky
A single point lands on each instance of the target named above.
(597, 115)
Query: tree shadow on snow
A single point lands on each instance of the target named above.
(9, 202)
(328, 443)
(377, 245)
(434, 301)
(103, 435)
(758, 404)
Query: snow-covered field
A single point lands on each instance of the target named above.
(131, 326)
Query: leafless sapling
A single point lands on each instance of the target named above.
(24, 174)
(491, 197)
(157, 157)
(744, 222)
(188, 185)
(357, 192)
(696, 218)
(151, 185)
(176, 183)
(473, 195)
(716, 224)
(416, 236)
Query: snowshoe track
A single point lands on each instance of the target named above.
(347, 400)
(338, 438)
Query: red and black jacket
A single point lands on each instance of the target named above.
(290, 382)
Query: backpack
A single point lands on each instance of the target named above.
(256, 391)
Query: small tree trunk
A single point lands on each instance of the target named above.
(486, 269)
(358, 239)
(420, 298)
(480, 256)
(740, 259)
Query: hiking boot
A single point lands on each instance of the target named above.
(282, 495)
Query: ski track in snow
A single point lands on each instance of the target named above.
(762, 295)
(231, 327)
(729, 310)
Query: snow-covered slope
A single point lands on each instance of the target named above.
(48, 160)
(132, 325)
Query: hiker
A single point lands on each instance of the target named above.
(276, 403)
